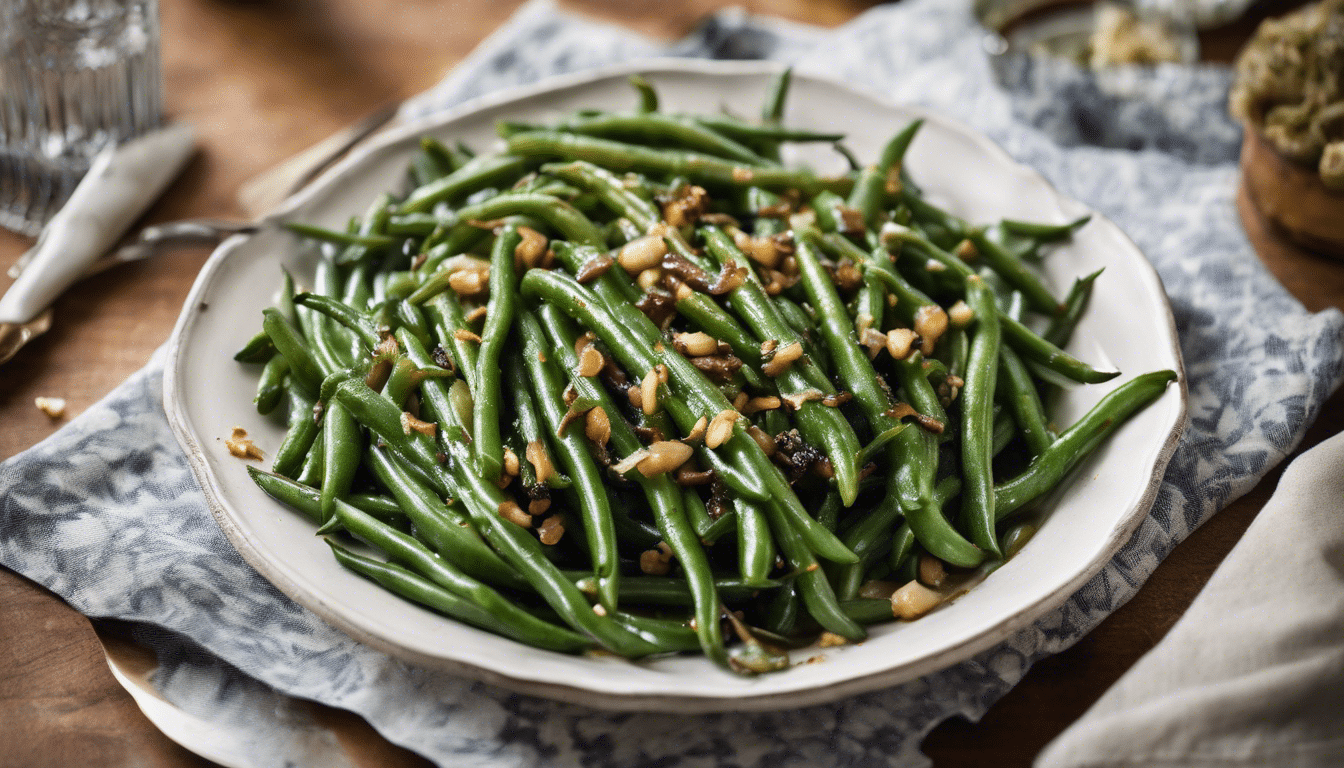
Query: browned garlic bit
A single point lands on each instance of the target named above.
(758, 404)
(720, 428)
(762, 250)
(644, 253)
(540, 461)
(686, 206)
(239, 445)
(591, 362)
(551, 530)
(795, 401)
(914, 600)
(468, 283)
(900, 342)
(597, 426)
(664, 456)
(511, 464)
(874, 341)
(509, 510)
(54, 407)
(960, 315)
(930, 324)
(966, 251)
(783, 357)
(656, 562)
(695, 344)
(476, 314)
(411, 424)
(648, 392)
(698, 429)
(763, 439)
(538, 507)
(462, 334)
(932, 573)
(531, 248)
(831, 640)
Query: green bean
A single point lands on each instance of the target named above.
(700, 168)
(448, 318)
(488, 445)
(363, 327)
(374, 224)
(867, 610)
(815, 590)
(524, 552)
(271, 385)
(595, 507)
(912, 456)
(977, 425)
(781, 613)
(562, 216)
(442, 526)
(743, 131)
(508, 618)
(1004, 431)
(610, 190)
(1044, 232)
(258, 349)
(1061, 325)
(755, 544)
(1024, 402)
(818, 423)
(477, 173)
(308, 500)
(305, 371)
(311, 471)
(1048, 358)
(707, 528)
(303, 428)
(1016, 273)
(1079, 440)
(648, 97)
(772, 111)
(383, 418)
(343, 445)
(662, 130)
(402, 582)
(866, 541)
(875, 182)
(324, 235)
(664, 498)
(664, 590)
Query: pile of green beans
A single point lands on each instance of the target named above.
(632, 385)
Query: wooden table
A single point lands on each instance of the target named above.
(262, 81)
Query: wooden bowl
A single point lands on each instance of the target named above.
(1291, 197)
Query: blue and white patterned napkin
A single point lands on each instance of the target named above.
(107, 514)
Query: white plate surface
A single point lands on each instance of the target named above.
(1128, 326)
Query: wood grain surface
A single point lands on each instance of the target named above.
(262, 80)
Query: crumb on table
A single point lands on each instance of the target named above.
(54, 407)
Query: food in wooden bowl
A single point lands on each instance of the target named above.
(1290, 95)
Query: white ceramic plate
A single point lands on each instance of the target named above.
(1128, 326)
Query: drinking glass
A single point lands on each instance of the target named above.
(75, 76)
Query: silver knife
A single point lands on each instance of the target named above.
(122, 182)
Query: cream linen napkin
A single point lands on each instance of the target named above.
(1253, 673)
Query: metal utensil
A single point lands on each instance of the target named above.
(121, 183)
